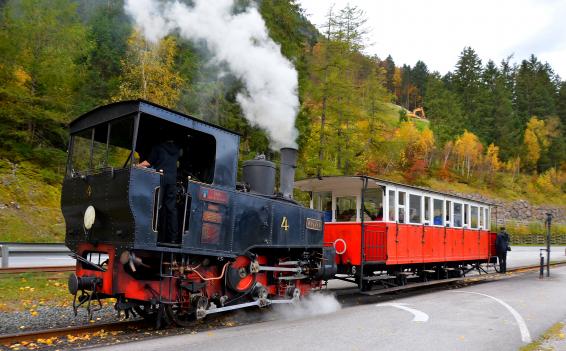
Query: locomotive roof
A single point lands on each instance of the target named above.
(335, 182)
(106, 113)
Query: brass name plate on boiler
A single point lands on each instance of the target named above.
(314, 224)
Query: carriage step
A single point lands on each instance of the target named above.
(405, 273)
(449, 269)
(429, 271)
(379, 277)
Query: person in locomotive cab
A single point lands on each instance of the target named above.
(501, 247)
(163, 157)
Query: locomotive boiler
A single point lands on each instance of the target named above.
(234, 245)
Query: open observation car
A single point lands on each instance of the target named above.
(385, 232)
(237, 245)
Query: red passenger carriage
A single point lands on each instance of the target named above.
(401, 231)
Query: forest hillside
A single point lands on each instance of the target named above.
(493, 129)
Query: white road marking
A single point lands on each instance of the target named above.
(419, 316)
(525, 335)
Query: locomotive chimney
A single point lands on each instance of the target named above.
(287, 172)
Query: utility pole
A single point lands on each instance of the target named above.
(548, 224)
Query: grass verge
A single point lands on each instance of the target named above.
(554, 333)
(27, 291)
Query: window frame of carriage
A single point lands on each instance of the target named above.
(447, 207)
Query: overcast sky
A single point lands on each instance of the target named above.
(436, 31)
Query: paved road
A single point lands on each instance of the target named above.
(501, 315)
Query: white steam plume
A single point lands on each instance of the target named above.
(240, 41)
(314, 304)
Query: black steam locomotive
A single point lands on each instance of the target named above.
(236, 244)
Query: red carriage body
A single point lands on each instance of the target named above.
(400, 228)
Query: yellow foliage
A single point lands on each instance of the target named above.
(149, 71)
(546, 182)
(492, 158)
(535, 139)
(469, 151)
(426, 141)
(21, 76)
(407, 133)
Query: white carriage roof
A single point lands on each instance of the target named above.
(330, 183)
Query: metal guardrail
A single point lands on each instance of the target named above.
(15, 249)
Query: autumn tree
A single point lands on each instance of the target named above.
(148, 71)
(468, 150)
(535, 141)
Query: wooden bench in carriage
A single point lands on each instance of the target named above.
(401, 231)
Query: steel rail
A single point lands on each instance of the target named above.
(33, 336)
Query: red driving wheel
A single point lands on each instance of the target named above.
(239, 277)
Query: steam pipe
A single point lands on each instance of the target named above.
(287, 171)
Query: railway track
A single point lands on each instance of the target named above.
(71, 332)
(34, 336)
(38, 269)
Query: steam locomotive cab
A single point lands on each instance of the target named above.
(231, 248)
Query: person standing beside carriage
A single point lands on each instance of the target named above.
(501, 247)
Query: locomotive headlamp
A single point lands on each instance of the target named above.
(89, 217)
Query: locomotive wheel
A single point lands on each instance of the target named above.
(181, 315)
(240, 278)
(185, 314)
(147, 312)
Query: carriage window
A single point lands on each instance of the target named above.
(482, 224)
(486, 219)
(427, 209)
(346, 209)
(438, 210)
(415, 208)
(401, 207)
(373, 205)
(448, 212)
(323, 202)
(474, 217)
(457, 215)
(81, 151)
(392, 205)
(466, 215)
